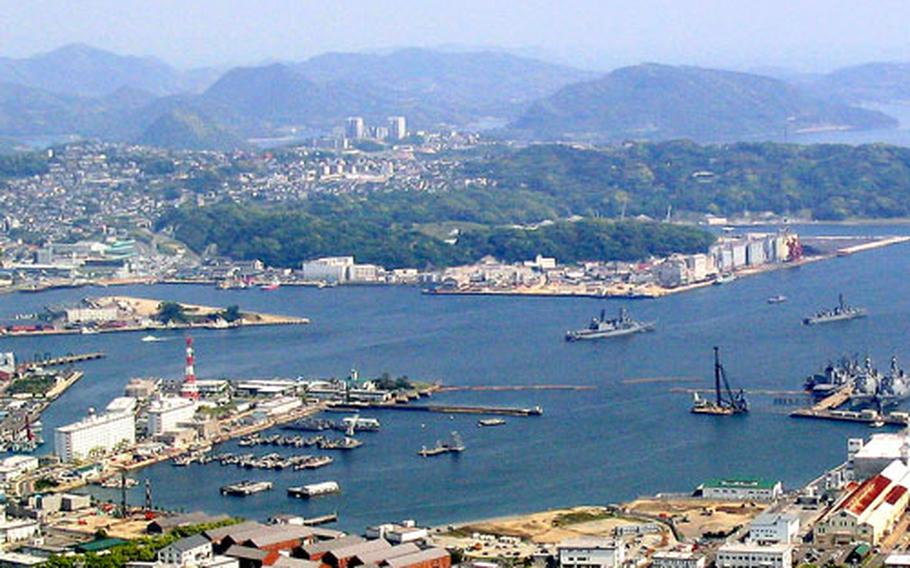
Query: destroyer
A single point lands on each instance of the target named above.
(603, 327)
(868, 387)
(842, 312)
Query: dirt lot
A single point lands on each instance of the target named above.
(694, 517)
(540, 532)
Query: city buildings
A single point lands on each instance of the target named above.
(95, 432)
(13, 467)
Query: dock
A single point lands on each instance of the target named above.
(64, 360)
(451, 409)
(865, 417)
(320, 520)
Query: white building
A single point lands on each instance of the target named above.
(195, 550)
(328, 269)
(15, 530)
(751, 555)
(591, 552)
(278, 405)
(774, 528)
(398, 128)
(745, 489)
(166, 414)
(677, 559)
(872, 457)
(13, 467)
(95, 431)
(91, 315)
(406, 531)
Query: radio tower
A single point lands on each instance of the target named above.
(189, 388)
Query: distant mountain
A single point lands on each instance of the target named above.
(86, 71)
(428, 87)
(185, 130)
(663, 102)
(867, 83)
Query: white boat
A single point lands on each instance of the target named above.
(314, 489)
(88, 331)
(151, 339)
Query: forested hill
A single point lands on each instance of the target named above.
(282, 237)
(827, 182)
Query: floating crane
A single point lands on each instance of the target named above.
(726, 402)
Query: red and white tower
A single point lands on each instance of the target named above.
(189, 388)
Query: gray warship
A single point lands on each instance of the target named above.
(870, 387)
(602, 327)
(840, 313)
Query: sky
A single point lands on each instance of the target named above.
(804, 35)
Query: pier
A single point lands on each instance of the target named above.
(453, 409)
(510, 388)
(64, 360)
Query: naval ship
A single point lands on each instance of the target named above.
(869, 387)
(602, 327)
(842, 312)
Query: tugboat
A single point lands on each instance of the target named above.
(842, 312)
(602, 327)
(726, 402)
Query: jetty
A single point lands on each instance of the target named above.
(60, 361)
(452, 409)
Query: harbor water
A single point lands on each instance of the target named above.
(629, 435)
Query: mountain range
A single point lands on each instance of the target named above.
(90, 92)
(660, 102)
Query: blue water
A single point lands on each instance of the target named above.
(604, 445)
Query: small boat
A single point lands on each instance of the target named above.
(779, 299)
(724, 279)
(88, 331)
(151, 339)
(877, 423)
(270, 287)
(491, 422)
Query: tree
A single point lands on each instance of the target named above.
(170, 312)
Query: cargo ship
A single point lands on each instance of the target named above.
(602, 327)
(842, 312)
(314, 489)
(726, 402)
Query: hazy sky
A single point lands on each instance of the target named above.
(803, 34)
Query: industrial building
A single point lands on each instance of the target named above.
(591, 552)
(742, 489)
(94, 432)
(870, 510)
(751, 555)
(866, 459)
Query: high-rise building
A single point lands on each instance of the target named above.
(398, 127)
(101, 432)
(354, 128)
